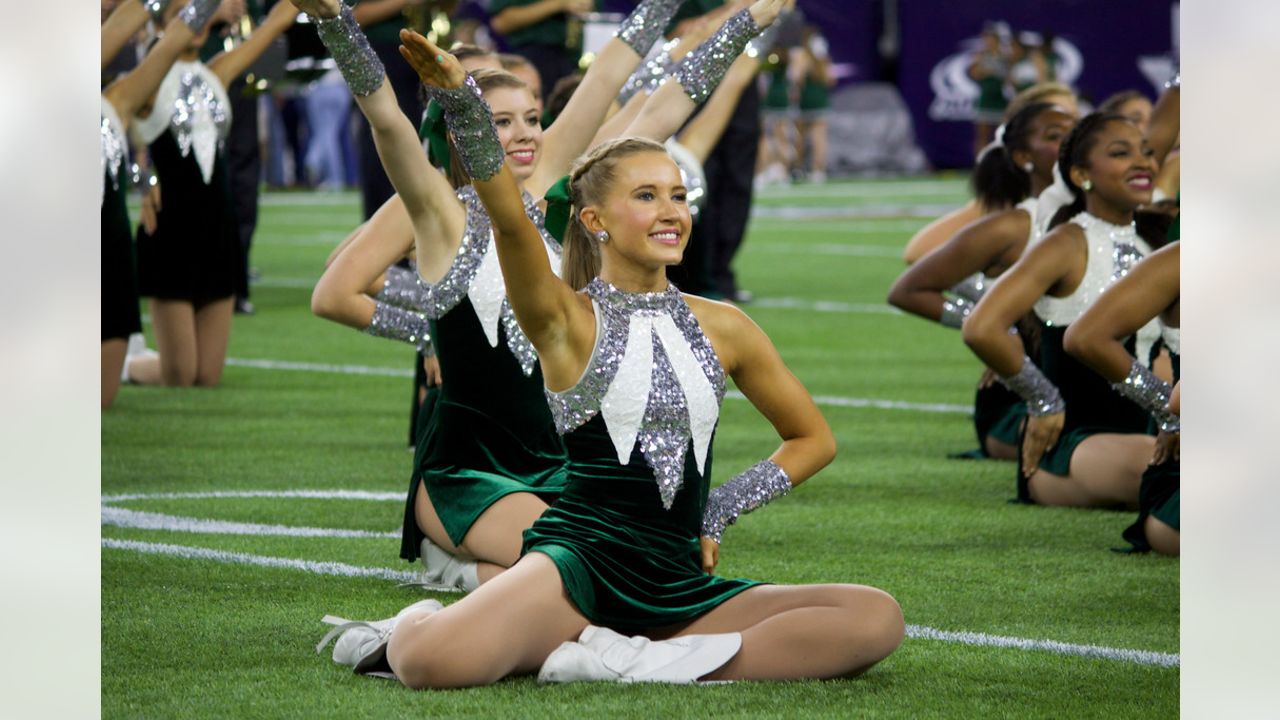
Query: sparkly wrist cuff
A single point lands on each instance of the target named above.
(471, 123)
(1031, 385)
(954, 312)
(649, 75)
(197, 13)
(400, 324)
(702, 71)
(971, 288)
(1150, 392)
(756, 486)
(155, 8)
(1174, 82)
(360, 66)
(403, 289)
(645, 24)
(763, 43)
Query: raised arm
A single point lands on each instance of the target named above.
(991, 245)
(438, 219)
(757, 369)
(232, 64)
(697, 76)
(541, 301)
(127, 19)
(1097, 337)
(571, 134)
(1165, 120)
(132, 92)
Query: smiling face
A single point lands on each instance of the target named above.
(516, 116)
(644, 211)
(1121, 169)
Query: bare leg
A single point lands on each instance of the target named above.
(506, 627)
(804, 631)
(113, 351)
(494, 540)
(213, 332)
(999, 450)
(1106, 470)
(1163, 539)
(174, 325)
(939, 231)
(818, 146)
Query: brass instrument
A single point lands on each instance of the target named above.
(430, 18)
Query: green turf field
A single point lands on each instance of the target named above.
(192, 627)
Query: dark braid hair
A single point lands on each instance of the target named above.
(997, 182)
(1151, 226)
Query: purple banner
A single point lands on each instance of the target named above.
(1102, 46)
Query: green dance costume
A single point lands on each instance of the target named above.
(638, 428)
(1092, 406)
(1160, 494)
(490, 432)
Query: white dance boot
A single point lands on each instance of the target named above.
(442, 571)
(604, 655)
(362, 645)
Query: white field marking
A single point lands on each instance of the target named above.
(831, 400)
(121, 517)
(919, 632)
(282, 282)
(885, 188)
(305, 239)
(794, 212)
(846, 402)
(852, 227)
(826, 306)
(873, 251)
(278, 494)
(337, 200)
(311, 566)
(964, 637)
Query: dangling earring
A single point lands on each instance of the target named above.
(1087, 185)
(1028, 167)
(603, 236)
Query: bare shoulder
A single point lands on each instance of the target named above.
(729, 329)
(1061, 242)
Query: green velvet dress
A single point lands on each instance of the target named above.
(625, 537)
(489, 432)
(1160, 494)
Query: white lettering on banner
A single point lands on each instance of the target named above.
(954, 92)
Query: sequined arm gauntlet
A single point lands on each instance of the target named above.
(400, 324)
(1041, 395)
(403, 289)
(1144, 388)
(756, 486)
(645, 24)
(971, 288)
(360, 66)
(954, 311)
(197, 14)
(471, 123)
(705, 67)
(650, 74)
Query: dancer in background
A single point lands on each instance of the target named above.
(1150, 290)
(1014, 172)
(621, 549)
(188, 250)
(1084, 445)
(120, 101)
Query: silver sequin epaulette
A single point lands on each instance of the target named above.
(476, 274)
(200, 121)
(655, 378)
(114, 144)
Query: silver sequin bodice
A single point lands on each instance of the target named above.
(192, 103)
(1112, 251)
(653, 376)
(114, 147)
(476, 274)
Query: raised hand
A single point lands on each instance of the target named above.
(435, 67)
(1042, 434)
(764, 12)
(319, 8)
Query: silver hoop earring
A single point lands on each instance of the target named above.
(603, 236)
(1028, 167)
(1087, 185)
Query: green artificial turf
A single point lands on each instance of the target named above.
(200, 638)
